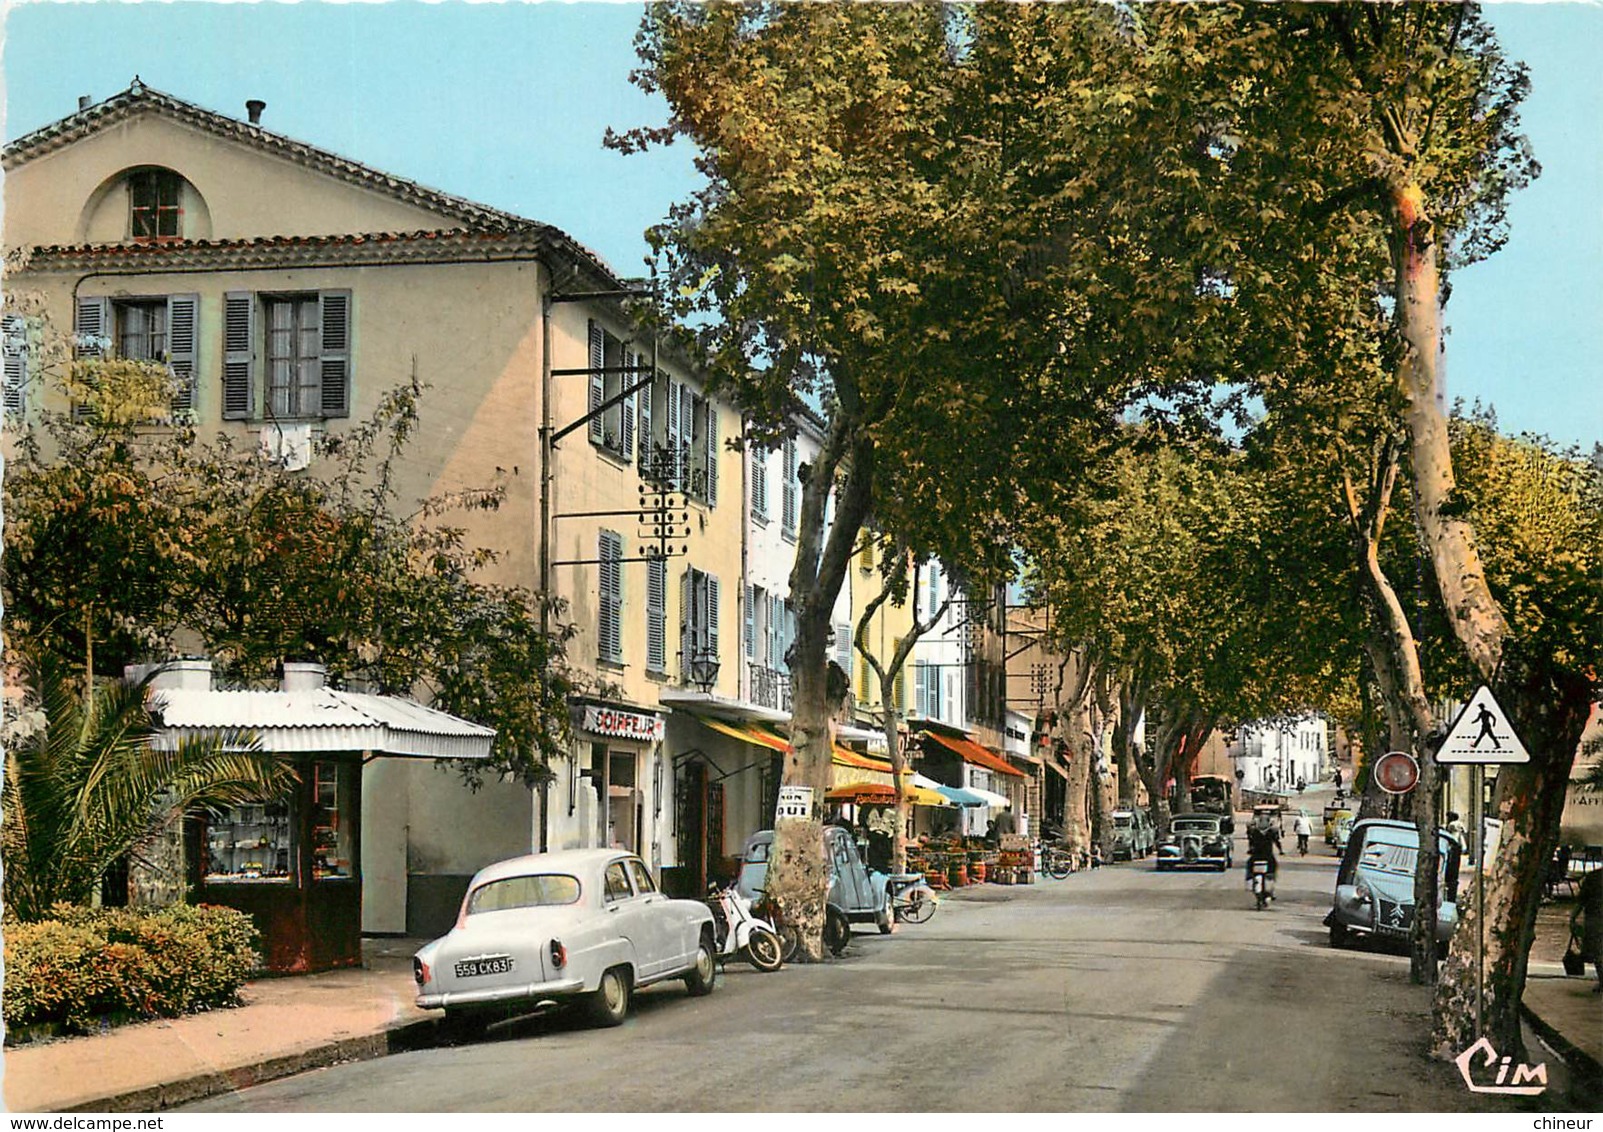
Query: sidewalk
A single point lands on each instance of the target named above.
(290, 1025)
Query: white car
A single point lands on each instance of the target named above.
(585, 926)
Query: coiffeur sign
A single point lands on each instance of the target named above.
(618, 724)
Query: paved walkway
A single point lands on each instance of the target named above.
(289, 1025)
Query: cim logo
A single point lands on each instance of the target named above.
(1518, 1083)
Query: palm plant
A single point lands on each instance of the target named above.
(89, 786)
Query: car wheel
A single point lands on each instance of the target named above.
(764, 951)
(465, 1025)
(884, 920)
(704, 975)
(608, 1004)
(837, 931)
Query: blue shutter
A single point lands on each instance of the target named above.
(335, 360)
(646, 438)
(670, 470)
(597, 382)
(788, 492)
(657, 615)
(630, 360)
(759, 482)
(712, 452)
(611, 584)
(182, 313)
(751, 623)
(712, 616)
(239, 355)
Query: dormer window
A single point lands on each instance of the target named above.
(153, 204)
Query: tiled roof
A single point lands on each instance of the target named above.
(141, 99)
(324, 720)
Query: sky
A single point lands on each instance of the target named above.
(507, 103)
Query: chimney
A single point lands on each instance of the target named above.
(303, 676)
(254, 108)
(85, 101)
(176, 675)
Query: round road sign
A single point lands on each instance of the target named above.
(1396, 772)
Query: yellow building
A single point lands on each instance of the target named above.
(289, 289)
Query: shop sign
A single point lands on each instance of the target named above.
(795, 804)
(617, 724)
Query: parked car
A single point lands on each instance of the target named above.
(1133, 834)
(853, 890)
(586, 926)
(1334, 812)
(1342, 833)
(1195, 841)
(1375, 884)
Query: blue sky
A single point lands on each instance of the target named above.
(506, 104)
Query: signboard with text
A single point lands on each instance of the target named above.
(615, 723)
(795, 804)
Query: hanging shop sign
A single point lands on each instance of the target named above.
(795, 804)
(615, 723)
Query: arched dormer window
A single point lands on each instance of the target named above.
(155, 205)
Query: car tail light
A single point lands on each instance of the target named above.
(420, 971)
(559, 955)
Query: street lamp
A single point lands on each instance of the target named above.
(704, 669)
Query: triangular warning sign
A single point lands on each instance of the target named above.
(1482, 734)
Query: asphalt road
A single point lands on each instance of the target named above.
(1119, 989)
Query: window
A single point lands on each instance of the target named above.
(617, 883)
(657, 616)
(642, 877)
(612, 428)
(927, 690)
(934, 589)
(251, 842)
(153, 205)
(701, 473)
(154, 328)
(17, 353)
(683, 427)
(333, 847)
(304, 342)
(790, 492)
(524, 892)
(843, 648)
(610, 630)
(698, 618)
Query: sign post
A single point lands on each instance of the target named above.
(1481, 735)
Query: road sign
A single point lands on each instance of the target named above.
(1482, 734)
(1396, 772)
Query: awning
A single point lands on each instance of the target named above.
(875, 794)
(746, 733)
(961, 795)
(971, 752)
(992, 798)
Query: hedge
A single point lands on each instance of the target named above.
(85, 968)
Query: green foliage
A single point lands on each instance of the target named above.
(121, 540)
(84, 786)
(84, 967)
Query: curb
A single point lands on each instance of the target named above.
(1585, 1073)
(169, 1094)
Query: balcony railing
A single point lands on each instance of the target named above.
(769, 687)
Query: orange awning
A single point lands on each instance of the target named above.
(746, 733)
(971, 752)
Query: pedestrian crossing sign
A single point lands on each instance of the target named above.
(1482, 734)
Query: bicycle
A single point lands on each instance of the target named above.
(1053, 860)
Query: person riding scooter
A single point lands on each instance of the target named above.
(1262, 841)
(1303, 829)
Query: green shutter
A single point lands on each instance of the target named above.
(16, 370)
(239, 355)
(183, 313)
(597, 382)
(335, 317)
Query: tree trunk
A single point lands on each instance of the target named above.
(798, 881)
(1131, 706)
(1529, 800)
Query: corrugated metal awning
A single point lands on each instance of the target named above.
(321, 720)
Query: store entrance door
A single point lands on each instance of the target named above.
(623, 809)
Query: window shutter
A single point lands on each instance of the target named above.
(646, 438)
(182, 311)
(843, 647)
(898, 685)
(239, 355)
(92, 327)
(597, 382)
(335, 318)
(657, 615)
(687, 434)
(712, 453)
(863, 695)
(16, 355)
(751, 625)
(788, 517)
(611, 627)
(629, 379)
(759, 482)
(671, 466)
(687, 621)
(712, 615)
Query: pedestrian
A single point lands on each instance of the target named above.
(1456, 830)
(1338, 780)
(1586, 923)
(1303, 829)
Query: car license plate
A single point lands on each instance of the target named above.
(489, 965)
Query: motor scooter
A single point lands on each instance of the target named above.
(1261, 881)
(738, 930)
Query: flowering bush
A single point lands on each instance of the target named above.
(85, 967)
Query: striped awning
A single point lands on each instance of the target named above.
(745, 732)
(971, 752)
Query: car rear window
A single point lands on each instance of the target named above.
(1122, 821)
(524, 892)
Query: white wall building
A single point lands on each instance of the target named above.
(1277, 756)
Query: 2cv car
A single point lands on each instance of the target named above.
(1374, 894)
